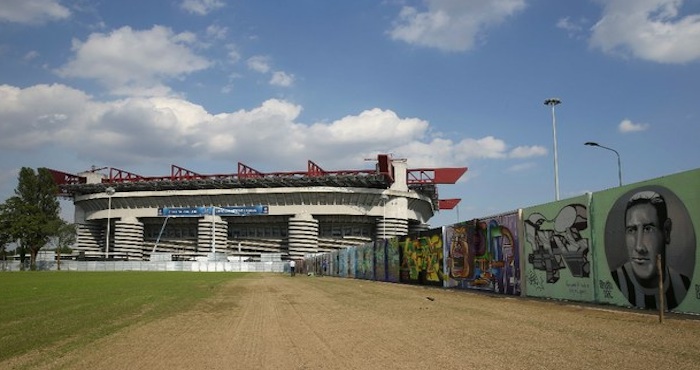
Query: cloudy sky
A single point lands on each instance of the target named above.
(205, 84)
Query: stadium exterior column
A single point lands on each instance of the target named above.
(302, 235)
(128, 239)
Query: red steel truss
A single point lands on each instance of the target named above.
(422, 178)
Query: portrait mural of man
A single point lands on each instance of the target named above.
(647, 232)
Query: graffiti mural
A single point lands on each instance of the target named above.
(557, 242)
(393, 260)
(380, 260)
(649, 227)
(422, 258)
(483, 254)
(364, 255)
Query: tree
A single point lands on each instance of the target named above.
(32, 214)
(65, 237)
(5, 236)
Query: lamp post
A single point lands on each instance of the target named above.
(619, 165)
(552, 102)
(110, 192)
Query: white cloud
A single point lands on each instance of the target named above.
(451, 25)
(575, 28)
(32, 11)
(651, 30)
(527, 152)
(280, 78)
(217, 32)
(136, 132)
(131, 62)
(259, 63)
(201, 7)
(233, 55)
(628, 126)
(521, 167)
(31, 55)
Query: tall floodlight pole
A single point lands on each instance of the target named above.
(109, 191)
(619, 163)
(552, 102)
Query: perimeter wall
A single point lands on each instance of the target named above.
(577, 249)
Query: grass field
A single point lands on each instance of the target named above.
(64, 310)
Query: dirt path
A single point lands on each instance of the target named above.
(270, 321)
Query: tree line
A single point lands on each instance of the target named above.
(30, 219)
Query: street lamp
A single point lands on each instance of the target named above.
(109, 191)
(619, 165)
(384, 199)
(552, 102)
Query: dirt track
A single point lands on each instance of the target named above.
(270, 321)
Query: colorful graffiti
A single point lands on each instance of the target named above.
(597, 247)
(483, 254)
(393, 260)
(365, 261)
(422, 258)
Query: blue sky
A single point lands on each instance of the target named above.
(204, 84)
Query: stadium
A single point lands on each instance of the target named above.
(250, 214)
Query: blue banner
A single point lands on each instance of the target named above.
(219, 211)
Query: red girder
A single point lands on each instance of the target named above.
(435, 175)
(422, 176)
(181, 173)
(315, 170)
(245, 172)
(117, 175)
(63, 178)
(448, 203)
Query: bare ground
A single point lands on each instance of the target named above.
(272, 321)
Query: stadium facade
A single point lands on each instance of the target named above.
(250, 214)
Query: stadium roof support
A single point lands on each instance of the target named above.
(422, 180)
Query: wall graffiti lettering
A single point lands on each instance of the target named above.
(606, 287)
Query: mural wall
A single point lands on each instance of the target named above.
(557, 250)
(607, 247)
(639, 222)
(364, 256)
(422, 258)
(483, 254)
(393, 260)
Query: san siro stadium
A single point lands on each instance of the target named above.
(249, 214)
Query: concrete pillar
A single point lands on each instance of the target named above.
(204, 235)
(128, 239)
(303, 235)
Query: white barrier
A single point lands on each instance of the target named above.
(194, 266)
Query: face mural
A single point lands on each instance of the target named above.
(648, 226)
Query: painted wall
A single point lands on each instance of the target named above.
(393, 260)
(483, 254)
(599, 248)
(422, 258)
(364, 255)
(557, 250)
(629, 234)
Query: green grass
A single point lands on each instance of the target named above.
(62, 310)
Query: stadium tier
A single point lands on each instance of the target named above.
(250, 214)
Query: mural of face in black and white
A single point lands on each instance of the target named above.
(644, 224)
